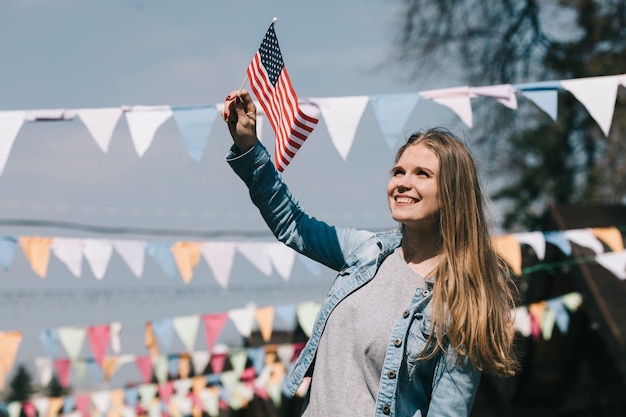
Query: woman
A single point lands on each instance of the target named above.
(415, 315)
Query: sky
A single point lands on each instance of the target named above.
(77, 54)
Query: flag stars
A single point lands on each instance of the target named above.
(271, 57)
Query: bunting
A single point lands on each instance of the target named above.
(342, 115)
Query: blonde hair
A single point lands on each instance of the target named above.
(473, 292)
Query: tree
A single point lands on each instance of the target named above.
(21, 386)
(515, 41)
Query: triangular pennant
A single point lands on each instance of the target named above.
(100, 123)
(54, 407)
(213, 325)
(522, 321)
(342, 116)
(265, 319)
(217, 361)
(14, 408)
(598, 95)
(243, 319)
(160, 368)
(165, 391)
(44, 370)
(210, 399)
(584, 237)
(287, 314)
(62, 368)
(256, 253)
(614, 262)
(98, 255)
(143, 122)
(160, 252)
(535, 240)
(144, 364)
(549, 319)
(8, 245)
(543, 94)
(611, 236)
(109, 366)
(101, 400)
(72, 339)
(306, 313)
(559, 240)
(456, 99)
(37, 251)
(164, 332)
(10, 124)
(257, 356)
(70, 252)
(50, 340)
(116, 341)
(392, 112)
(282, 257)
(561, 316)
(133, 252)
(200, 359)
(219, 256)
(504, 93)
(186, 255)
(238, 358)
(187, 330)
(508, 248)
(315, 268)
(194, 124)
(29, 409)
(9, 345)
(147, 393)
(99, 337)
(285, 354)
(150, 341)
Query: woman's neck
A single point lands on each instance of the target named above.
(421, 251)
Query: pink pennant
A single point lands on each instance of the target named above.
(144, 363)
(218, 360)
(535, 328)
(213, 325)
(82, 404)
(247, 376)
(62, 367)
(99, 337)
(29, 409)
(297, 349)
(165, 391)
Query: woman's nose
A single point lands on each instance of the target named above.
(401, 183)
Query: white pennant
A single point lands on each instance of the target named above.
(102, 401)
(282, 257)
(200, 359)
(101, 123)
(504, 93)
(522, 321)
(44, 365)
(10, 124)
(187, 330)
(614, 262)
(219, 256)
(256, 253)
(143, 122)
(41, 404)
(457, 99)
(598, 95)
(70, 252)
(133, 252)
(536, 240)
(342, 116)
(72, 339)
(98, 254)
(115, 329)
(243, 319)
(584, 237)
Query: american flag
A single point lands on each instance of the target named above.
(272, 87)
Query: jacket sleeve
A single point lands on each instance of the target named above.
(454, 388)
(282, 213)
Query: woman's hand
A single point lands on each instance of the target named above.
(240, 115)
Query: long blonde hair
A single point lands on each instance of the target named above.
(473, 293)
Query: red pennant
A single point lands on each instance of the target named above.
(82, 404)
(62, 367)
(99, 337)
(165, 391)
(29, 409)
(144, 363)
(213, 325)
(248, 375)
(217, 362)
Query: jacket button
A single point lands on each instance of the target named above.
(397, 342)
(386, 410)
(405, 314)
(425, 293)
(391, 374)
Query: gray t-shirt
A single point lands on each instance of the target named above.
(352, 348)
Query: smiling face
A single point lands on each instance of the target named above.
(412, 190)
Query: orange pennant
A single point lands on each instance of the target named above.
(150, 342)
(109, 365)
(508, 248)
(9, 345)
(37, 251)
(183, 365)
(265, 318)
(187, 255)
(611, 236)
(54, 406)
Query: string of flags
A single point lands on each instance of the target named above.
(224, 377)
(180, 258)
(342, 115)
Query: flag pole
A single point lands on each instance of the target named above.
(243, 84)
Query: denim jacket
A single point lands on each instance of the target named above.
(409, 385)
